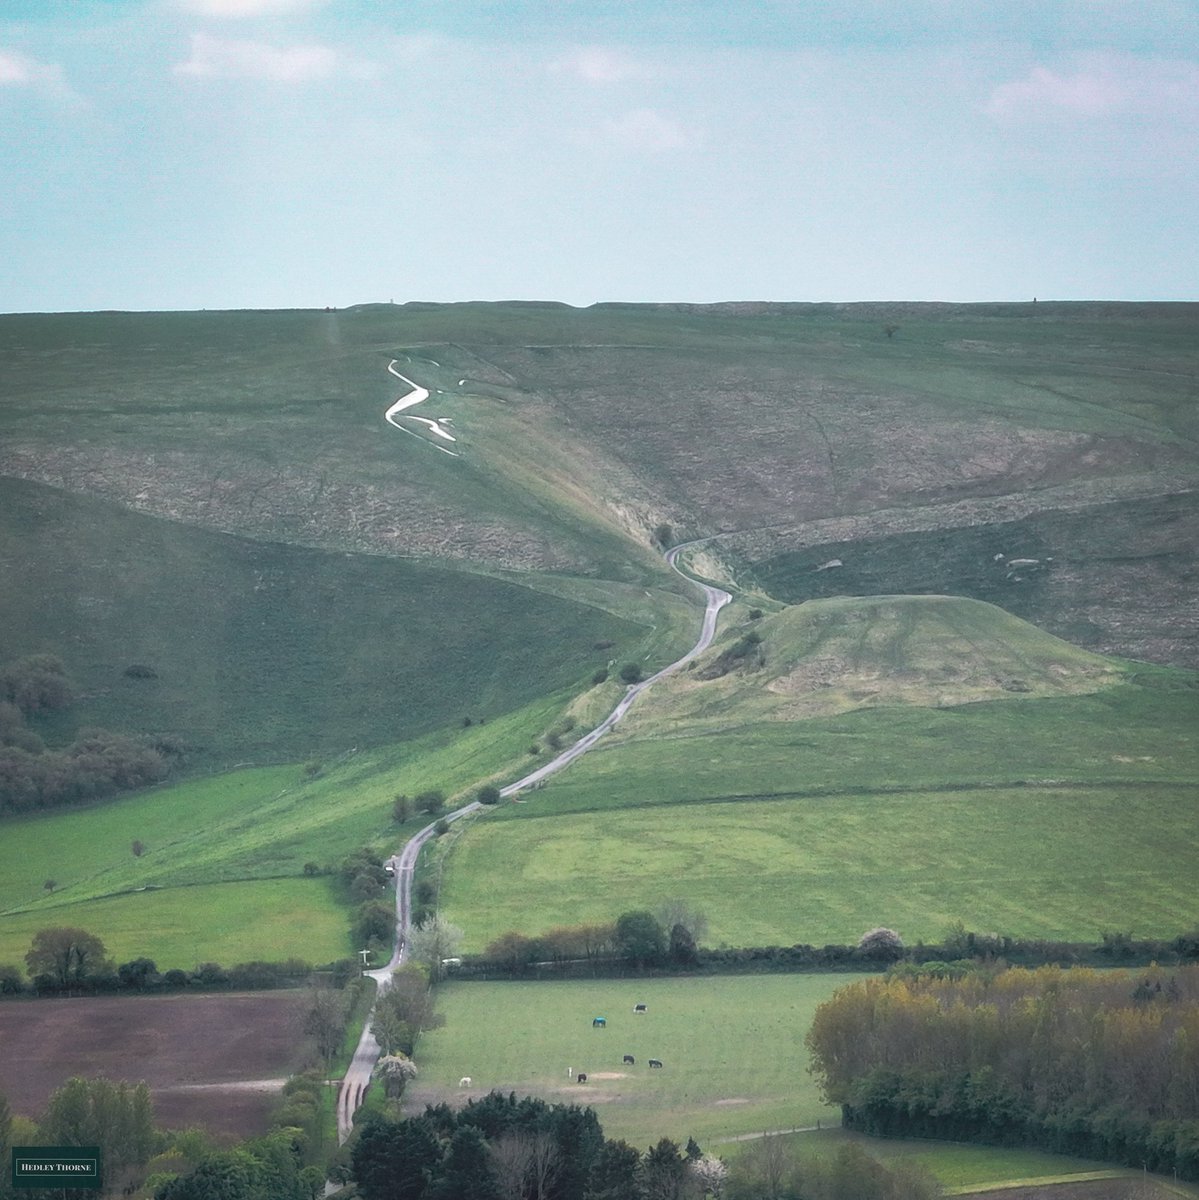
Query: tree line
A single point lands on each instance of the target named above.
(504, 1148)
(670, 940)
(1101, 1064)
(97, 764)
(65, 960)
(116, 1117)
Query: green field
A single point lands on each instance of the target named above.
(1066, 864)
(264, 919)
(732, 1050)
(268, 652)
(961, 1167)
(1043, 817)
(247, 831)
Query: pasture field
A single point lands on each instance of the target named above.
(216, 1061)
(732, 1049)
(1039, 862)
(226, 923)
(965, 1169)
(1135, 733)
(225, 855)
(257, 823)
(1047, 817)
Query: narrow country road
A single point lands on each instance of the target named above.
(366, 1055)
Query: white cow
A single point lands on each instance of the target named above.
(464, 1081)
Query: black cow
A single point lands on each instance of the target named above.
(629, 1060)
(582, 1076)
(655, 1062)
(639, 1008)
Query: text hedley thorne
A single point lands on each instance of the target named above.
(56, 1166)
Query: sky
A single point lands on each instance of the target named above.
(186, 154)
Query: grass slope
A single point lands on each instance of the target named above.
(250, 831)
(831, 656)
(1043, 814)
(732, 1048)
(273, 651)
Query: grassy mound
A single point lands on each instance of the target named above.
(831, 656)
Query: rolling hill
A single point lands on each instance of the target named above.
(949, 529)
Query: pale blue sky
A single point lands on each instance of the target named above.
(292, 153)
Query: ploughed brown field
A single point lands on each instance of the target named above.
(217, 1061)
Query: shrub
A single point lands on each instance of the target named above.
(601, 676)
(490, 794)
(11, 983)
(881, 943)
(431, 802)
(630, 673)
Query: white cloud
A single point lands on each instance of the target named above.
(596, 64)
(17, 70)
(647, 129)
(1103, 86)
(237, 9)
(224, 58)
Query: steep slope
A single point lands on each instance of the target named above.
(268, 652)
(784, 429)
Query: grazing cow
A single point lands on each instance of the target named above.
(639, 1008)
(655, 1062)
(464, 1081)
(629, 1060)
(582, 1076)
(598, 1023)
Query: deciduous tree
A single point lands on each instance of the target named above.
(67, 955)
(432, 942)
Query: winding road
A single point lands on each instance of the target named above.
(366, 1055)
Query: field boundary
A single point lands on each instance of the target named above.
(931, 789)
(1007, 1185)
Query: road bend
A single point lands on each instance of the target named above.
(366, 1055)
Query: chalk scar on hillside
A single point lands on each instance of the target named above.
(418, 395)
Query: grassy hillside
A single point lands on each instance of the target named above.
(296, 601)
(225, 855)
(265, 651)
(860, 774)
(781, 427)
